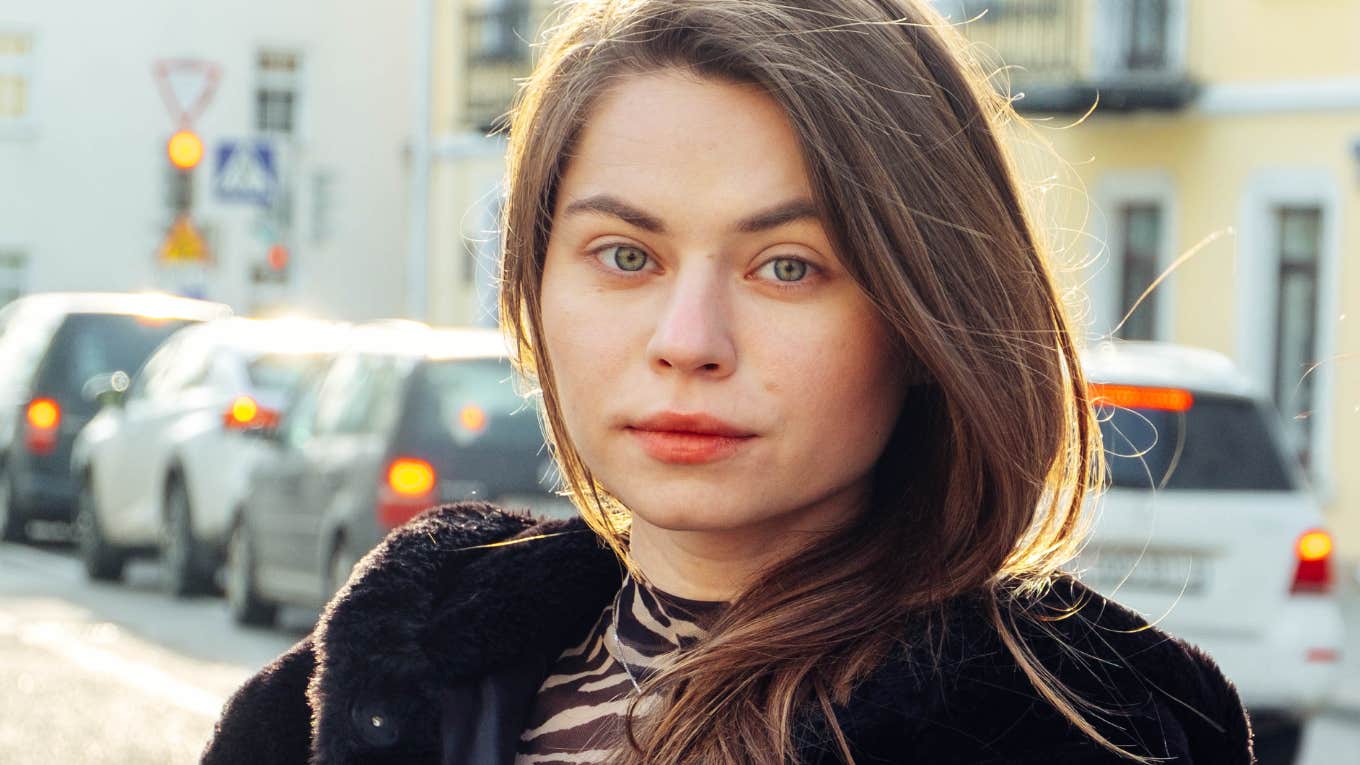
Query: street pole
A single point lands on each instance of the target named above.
(418, 212)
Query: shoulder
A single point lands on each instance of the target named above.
(958, 688)
(459, 591)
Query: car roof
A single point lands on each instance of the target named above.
(291, 335)
(152, 304)
(418, 340)
(1166, 365)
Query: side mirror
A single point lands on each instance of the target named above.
(106, 389)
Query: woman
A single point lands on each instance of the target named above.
(808, 379)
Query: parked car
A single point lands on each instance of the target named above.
(1210, 529)
(56, 350)
(407, 418)
(161, 468)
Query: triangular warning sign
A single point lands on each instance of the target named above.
(183, 243)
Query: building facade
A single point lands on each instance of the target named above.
(1223, 150)
(303, 113)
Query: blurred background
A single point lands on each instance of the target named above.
(288, 211)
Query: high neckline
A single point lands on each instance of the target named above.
(648, 627)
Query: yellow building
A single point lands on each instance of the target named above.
(481, 49)
(1226, 136)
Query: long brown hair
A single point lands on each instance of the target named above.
(980, 489)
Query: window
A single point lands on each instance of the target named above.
(374, 398)
(1141, 224)
(1147, 34)
(1222, 443)
(278, 82)
(13, 270)
(498, 29)
(16, 78)
(1296, 299)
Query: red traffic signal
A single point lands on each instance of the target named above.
(278, 257)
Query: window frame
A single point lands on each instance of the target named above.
(1257, 272)
(27, 67)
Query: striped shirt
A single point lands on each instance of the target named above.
(579, 711)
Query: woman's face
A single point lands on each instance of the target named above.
(718, 369)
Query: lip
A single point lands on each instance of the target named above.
(688, 439)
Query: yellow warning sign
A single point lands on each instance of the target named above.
(183, 244)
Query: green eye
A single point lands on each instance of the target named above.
(789, 270)
(629, 258)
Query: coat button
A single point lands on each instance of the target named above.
(376, 727)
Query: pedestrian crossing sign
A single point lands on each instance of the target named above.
(246, 171)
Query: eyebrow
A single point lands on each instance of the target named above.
(774, 217)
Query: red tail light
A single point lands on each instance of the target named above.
(44, 419)
(245, 412)
(408, 488)
(1140, 397)
(1314, 572)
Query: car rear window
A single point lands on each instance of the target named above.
(1219, 442)
(470, 402)
(283, 372)
(88, 344)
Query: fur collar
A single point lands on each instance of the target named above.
(461, 592)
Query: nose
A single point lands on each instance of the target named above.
(693, 333)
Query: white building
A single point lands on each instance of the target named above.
(86, 185)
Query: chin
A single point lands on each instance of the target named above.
(701, 511)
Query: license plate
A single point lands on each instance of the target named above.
(1151, 570)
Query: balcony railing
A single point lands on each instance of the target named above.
(1061, 53)
(496, 42)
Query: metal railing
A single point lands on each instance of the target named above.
(496, 41)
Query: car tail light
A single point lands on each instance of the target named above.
(1314, 571)
(43, 418)
(1140, 397)
(472, 418)
(408, 487)
(245, 412)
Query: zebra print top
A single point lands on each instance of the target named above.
(578, 713)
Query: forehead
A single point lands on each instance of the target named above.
(670, 136)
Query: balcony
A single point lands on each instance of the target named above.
(496, 42)
(1062, 53)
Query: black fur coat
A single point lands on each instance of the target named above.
(433, 652)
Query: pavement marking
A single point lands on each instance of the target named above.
(144, 677)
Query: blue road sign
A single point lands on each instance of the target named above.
(246, 171)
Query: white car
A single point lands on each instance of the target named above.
(161, 468)
(1210, 529)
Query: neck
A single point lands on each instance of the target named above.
(720, 564)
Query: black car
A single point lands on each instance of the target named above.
(408, 418)
(55, 348)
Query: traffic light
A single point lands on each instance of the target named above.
(184, 150)
(274, 269)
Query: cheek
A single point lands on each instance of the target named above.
(585, 345)
(841, 381)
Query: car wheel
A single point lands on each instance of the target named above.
(243, 601)
(103, 561)
(1278, 742)
(341, 566)
(12, 523)
(182, 556)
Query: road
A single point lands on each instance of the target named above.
(102, 674)
(113, 673)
